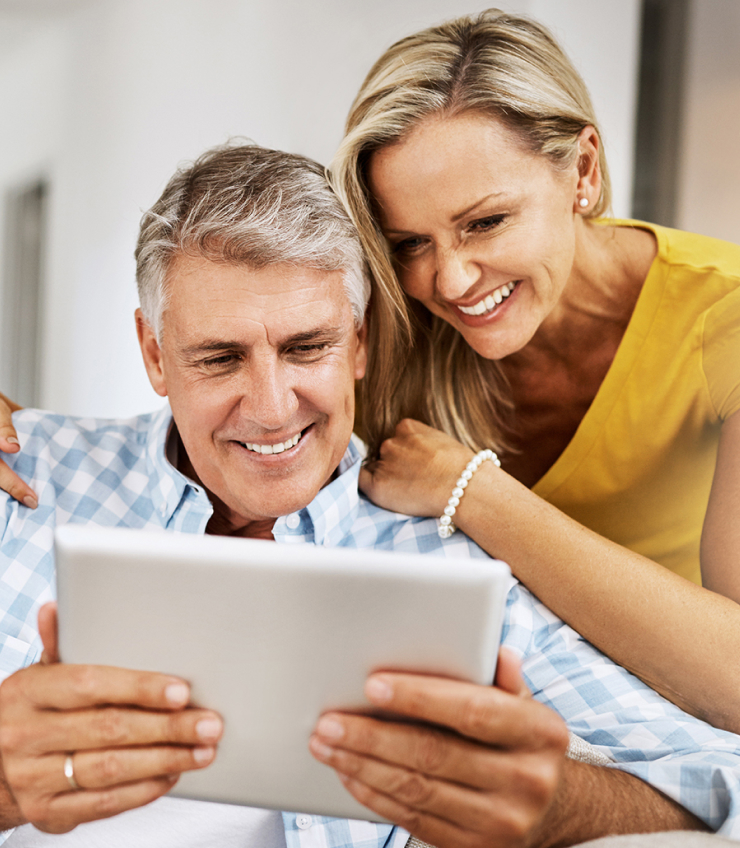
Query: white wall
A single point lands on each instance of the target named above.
(709, 173)
(113, 95)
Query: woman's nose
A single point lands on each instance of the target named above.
(456, 273)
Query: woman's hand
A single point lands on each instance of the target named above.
(417, 470)
(486, 772)
(9, 481)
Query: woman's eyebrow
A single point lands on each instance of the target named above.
(468, 209)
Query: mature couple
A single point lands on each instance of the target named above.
(253, 291)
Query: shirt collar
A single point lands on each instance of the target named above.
(169, 487)
(329, 517)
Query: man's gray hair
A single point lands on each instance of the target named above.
(248, 205)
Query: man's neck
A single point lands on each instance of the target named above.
(219, 525)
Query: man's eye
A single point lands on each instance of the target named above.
(308, 349)
(223, 361)
(482, 225)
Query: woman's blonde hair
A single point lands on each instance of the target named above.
(494, 63)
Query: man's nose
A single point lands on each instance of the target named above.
(457, 272)
(269, 398)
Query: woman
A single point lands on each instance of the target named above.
(474, 168)
(600, 358)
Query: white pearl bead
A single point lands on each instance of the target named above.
(445, 527)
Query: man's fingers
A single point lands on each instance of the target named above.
(482, 713)
(422, 750)
(429, 755)
(509, 674)
(111, 727)
(72, 687)
(11, 483)
(104, 769)
(65, 811)
(427, 827)
(101, 769)
(49, 633)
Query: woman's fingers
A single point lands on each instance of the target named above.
(10, 482)
(10, 405)
(417, 470)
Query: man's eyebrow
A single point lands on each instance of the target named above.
(328, 334)
(319, 334)
(210, 347)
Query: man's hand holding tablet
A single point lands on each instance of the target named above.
(82, 742)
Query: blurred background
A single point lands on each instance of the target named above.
(101, 99)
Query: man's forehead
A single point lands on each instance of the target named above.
(216, 301)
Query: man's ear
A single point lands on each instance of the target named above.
(151, 353)
(361, 351)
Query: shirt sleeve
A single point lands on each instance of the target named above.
(691, 762)
(721, 354)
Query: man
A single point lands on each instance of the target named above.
(253, 291)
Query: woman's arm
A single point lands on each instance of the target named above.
(681, 639)
(9, 481)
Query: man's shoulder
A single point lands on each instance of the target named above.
(39, 423)
(74, 462)
(48, 436)
(379, 528)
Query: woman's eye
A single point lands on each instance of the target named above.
(408, 246)
(484, 224)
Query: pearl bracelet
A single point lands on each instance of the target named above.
(445, 527)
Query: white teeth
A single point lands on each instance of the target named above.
(487, 303)
(278, 448)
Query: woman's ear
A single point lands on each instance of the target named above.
(151, 353)
(588, 189)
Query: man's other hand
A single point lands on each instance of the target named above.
(481, 768)
(129, 735)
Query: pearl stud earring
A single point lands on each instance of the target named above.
(583, 202)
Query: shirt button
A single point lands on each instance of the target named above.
(293, 520)
(304, 822)
(163, 509)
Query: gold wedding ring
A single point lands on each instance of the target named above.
(69, 773)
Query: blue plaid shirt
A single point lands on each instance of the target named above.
(117, 474)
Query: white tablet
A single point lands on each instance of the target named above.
(270, 636)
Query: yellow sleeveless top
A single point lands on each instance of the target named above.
(639, 468)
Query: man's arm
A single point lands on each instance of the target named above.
(128, 732)
(491, 771)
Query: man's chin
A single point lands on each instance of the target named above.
(273, 504)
